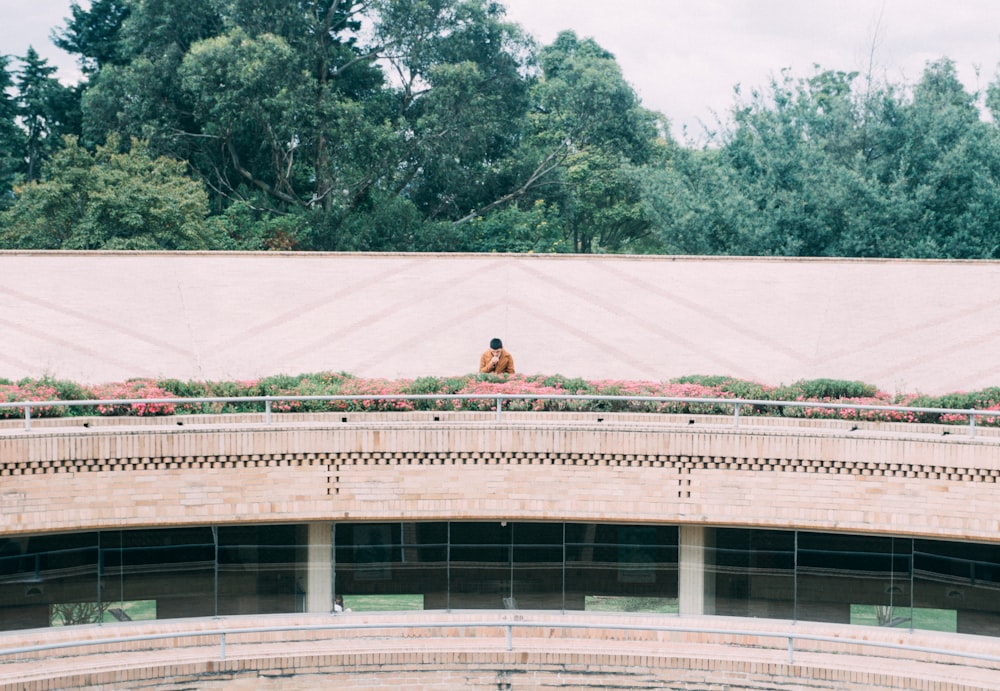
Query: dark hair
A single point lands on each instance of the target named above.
(496, 344)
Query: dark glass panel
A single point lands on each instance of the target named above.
(754, 572)
(537, 572)
(480, 571)
(621, 567)
(260, 569)
(956, 587)
(49, 579)
(858, 579)
(381, 566)
(158, 574)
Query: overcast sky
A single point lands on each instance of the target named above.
(684, 57)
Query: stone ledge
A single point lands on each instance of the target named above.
(433, 645)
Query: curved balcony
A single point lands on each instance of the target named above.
(803, 525)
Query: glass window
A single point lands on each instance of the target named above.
(49, 580)
(260, 569)
(624, 568)
(391, 566)
(754, 572)
(841, 576)
(158, 574)
(959, 585)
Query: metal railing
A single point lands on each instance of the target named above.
(507, 628)
(737, 404)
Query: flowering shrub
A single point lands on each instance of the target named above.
(986, 421)
(879, 399)
(372, 387)
(700, 388)
(29, 390)
(133, 389)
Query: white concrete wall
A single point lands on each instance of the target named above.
(927, 326)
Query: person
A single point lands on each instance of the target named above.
(496, 360)
(338, 605)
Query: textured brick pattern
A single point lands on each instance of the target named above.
(889, 479)
(894, 482)
(470, 651)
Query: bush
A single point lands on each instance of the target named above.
(823, 389)
(29, 390)
(333, 383)
(133, 389)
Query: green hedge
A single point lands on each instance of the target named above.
(342, 383)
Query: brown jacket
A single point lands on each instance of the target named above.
(505, 365)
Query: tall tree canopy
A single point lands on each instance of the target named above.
(109, 200)
(816, 167)
(438, 125)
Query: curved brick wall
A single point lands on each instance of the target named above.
(472, 652)
(888, 479)
(901, 481)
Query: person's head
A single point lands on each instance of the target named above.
(496, 345)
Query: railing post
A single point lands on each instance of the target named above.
(791, 649)
(499, 407)
(736, 415)
(27, 416)
(267, 411)
(222, 645)
(972, 425)
(510, 637)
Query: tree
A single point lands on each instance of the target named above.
(138, 93)
(697, 205)
(110, 199)
(94, 34)
(946, 172)
(45, 110)
(11, 135)
(587, 133)
(289, 107)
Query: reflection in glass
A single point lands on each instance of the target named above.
(537, 566)
(623, 568)
(260, 569)
(49, 579)
(157, 574)
(959, 585)
(840, 576)
(122, 575)
(754, 573)
(481, 557)
(391, 566)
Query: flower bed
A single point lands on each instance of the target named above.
(342, 384)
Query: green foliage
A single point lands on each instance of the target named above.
(738, 388)
(571, 385)
(65, 390)
(512, 229)
(985, 399)
(702, 379)
(279, 384)
(45, 110)
(12, 138)
(184, 389)
(407, 125)
(692, 387)
(108, 200)
(823, 389)
(247, 226)
(94, 33)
